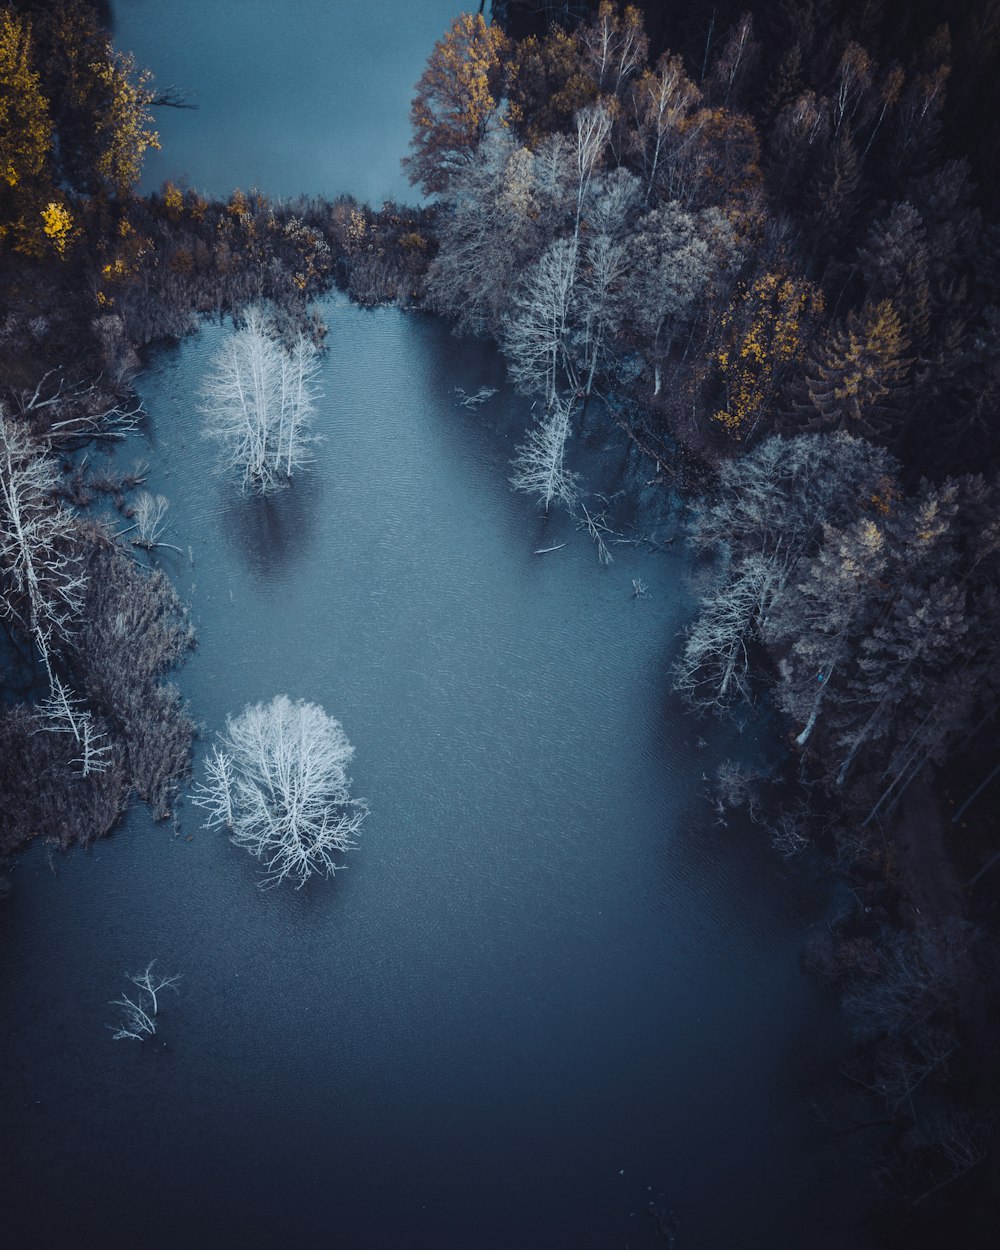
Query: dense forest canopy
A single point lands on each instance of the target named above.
(766, 239)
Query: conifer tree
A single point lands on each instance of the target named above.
(837, 196)
(856, 377)
(895, 263)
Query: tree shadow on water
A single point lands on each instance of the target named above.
(270, 534)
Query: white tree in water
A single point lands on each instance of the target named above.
(279, 784)
(539, 463)
(258, 402)
(139, 1011)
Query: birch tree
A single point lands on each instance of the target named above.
(43, 577)
(615, 46)
(488, 234)
(660, 103)
(593, 126)
(535, 332)
(278, 783)
(258, 402)
(539, 464)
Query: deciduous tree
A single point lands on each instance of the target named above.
(25, 139)
(278, 783)
(457, 101)
(539, 463)
(258, 403)
(43, 576)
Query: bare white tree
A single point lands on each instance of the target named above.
(488, 233)
(593, 126)
(714, 668)
(661, 101)
(63, 712)
(82, 411)
(279, 784)
(539, 464)
(258, 402)
(43, 577)
(671, 266)
(139, 1011)
(615, 46)
(534, 334)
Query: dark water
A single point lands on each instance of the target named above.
(547, 991)
(291, 96)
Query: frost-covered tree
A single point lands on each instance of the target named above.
(535, 332)
(671, 264)
(488, 233)
(258, 402)
(539, 465)
(821, 615)
(593, 127)
(278, 782)
(41, 572)
(767, 516)
(713, 671)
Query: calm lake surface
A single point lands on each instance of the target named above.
(548, 990)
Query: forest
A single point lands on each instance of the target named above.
(761, 242)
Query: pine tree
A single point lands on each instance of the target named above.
(895, 264)
(856, 377)
(837, 196)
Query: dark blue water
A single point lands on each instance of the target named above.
(291, 96)
(547, 991)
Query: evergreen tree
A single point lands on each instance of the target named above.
(856, 377)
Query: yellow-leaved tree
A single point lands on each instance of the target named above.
(124, 127)
(25, 140)
(458, 99)
(99, 101)
(764, 333)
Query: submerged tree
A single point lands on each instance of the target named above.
(258, 402)
(139, 1011)
(279, 784)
